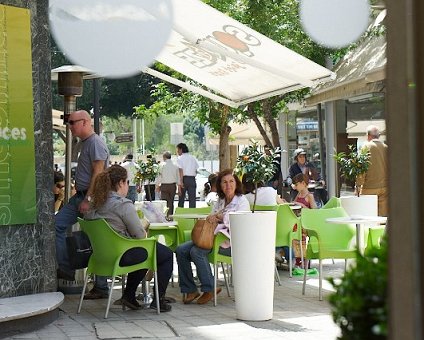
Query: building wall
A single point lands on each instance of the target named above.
(27, 252)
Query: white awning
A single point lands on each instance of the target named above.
(241, 134)
(228, 61)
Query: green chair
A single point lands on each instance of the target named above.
(375, 234)
(327, 241)
(185, 225)
(333, 202)
(108, 248)
(269, 208)
(215, 257)
(286, 219)
(170, 234)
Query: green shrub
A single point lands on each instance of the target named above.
(360, 301)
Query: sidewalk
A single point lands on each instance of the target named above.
(295, 317)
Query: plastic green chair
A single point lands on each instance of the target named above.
(286, 219)
(333, 202)
(108, 248)
(185, 225)
(215, 257)
(327, 241)
(374, 237)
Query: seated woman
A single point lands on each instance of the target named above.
(229, 189)
(264, 195)
(109, 202)
(58, 190)
(210, 190)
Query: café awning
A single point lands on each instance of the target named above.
(229, 62)
(361, 71)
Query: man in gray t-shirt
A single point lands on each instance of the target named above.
(93, 159)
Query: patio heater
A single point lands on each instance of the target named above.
(70, 85)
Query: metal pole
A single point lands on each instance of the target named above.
(96, 105)
(69, 106)
(142, 136)
(321, 143)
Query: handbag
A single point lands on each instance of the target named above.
(79, 249)
(202, 234)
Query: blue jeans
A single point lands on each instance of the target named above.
(187, 253)
(64, 219)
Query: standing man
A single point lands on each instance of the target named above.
(374, 182)
(131, 168)
(188, 169)
(93, 159)
(166, 183)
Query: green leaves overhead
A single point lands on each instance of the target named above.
(256, 165)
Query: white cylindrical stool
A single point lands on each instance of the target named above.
(253, 254)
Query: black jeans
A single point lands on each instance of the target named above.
(164, 257)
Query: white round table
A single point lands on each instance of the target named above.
(359, 221)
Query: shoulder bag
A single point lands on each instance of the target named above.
(202, 234)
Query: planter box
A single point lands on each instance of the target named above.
(253, 252)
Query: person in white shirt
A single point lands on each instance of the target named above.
(131, 168)
(166, 182)
(188, 169)
(264, 195)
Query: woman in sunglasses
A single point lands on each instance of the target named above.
(58, 190)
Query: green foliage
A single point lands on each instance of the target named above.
(354, 163)
(147, 170)
(256, 166)
(360, 301)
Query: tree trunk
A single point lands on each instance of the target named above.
(224, 148)
(271, 121)
(254, 117)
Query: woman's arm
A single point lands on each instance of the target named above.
(312, 202)
(132, 221)
(280, 200)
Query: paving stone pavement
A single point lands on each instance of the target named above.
(295, 317)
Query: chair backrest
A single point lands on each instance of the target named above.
(109, 246)
(332, 236)
(333, 202)
(185, 225)
(286, 219)
(374, 237)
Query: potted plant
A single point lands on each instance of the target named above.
(253, 241)
(353, 165)
(147, 171)
(256, 166)
(359, 304)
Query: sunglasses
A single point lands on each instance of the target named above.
(73, 122)
(59, 186)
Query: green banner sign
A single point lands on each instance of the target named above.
(17, 160)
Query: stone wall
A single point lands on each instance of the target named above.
(27, 252)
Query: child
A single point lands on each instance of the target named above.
(211, 196)
(306, 200)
